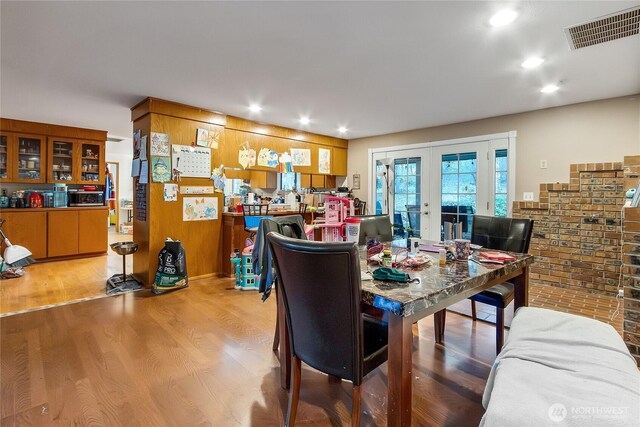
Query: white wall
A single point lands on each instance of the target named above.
(597, 131)
(122, 152)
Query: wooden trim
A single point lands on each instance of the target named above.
(174, 109)
(22, 126)
(244, 125)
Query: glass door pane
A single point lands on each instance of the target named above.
(62, 165)
(501, 183)
(381, 180)
(90, 163)
(459, 191)
(4, 171)
(406, 196)
(30, 151)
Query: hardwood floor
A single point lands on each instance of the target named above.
(47, 283)
(202, 356)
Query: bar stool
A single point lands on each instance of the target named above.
(252, 214)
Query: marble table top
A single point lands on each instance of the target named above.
(436, 283)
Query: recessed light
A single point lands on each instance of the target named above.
(304, 120)
(549, 89)
(532, 62)
(342, 129)
(503, 17)
(255, 108)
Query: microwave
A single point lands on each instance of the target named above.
(86, 198)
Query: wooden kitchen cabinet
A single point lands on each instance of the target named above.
(92, 231)
(339, 161)
(32, 152)
(91, 163)
(28, 229)
(6, 167)
(263, 179)
(22, 157)
(72, 161)
(305, 180)
(329, 181)
(62, 160)
(62, 233)
(317, 181)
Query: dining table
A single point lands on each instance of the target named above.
(437, 288)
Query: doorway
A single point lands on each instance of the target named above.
(112, 185)
(424, 186)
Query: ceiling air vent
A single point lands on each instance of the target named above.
(610, 27)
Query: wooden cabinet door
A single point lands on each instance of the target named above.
(6, 158)
(262, 179)
(62, 160)
(339, 161)
(29, 154)
(329, 181)
(92, 231)
(62, 233)
(317, 181)
(305, 180)
(90, 169)
(27, 229)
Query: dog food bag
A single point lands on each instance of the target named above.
(172, 268)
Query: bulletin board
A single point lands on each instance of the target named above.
(192, 162)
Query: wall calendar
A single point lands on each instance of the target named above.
(192, 162)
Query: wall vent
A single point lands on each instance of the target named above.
(610, 27)
(114, 139)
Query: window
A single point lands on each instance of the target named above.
(459, 192)
(232, 187)
(501, 183)
(380, 187)
(406, 194)
(289, 181)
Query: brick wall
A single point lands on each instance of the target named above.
(631, 262)
(577, 231)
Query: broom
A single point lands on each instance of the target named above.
(14, 255)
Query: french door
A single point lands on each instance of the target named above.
(405, 173)
(444, 182)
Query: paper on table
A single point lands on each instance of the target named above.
(365, 275)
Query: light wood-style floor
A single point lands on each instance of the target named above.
(202, 356)
(50, 283)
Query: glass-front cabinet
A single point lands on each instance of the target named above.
(4, 158)
(26, 158)
(62, 159)
(91, 158)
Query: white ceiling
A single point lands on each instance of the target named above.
(374, 67)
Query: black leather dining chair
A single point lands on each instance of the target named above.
(504, 234)
(375, 226)
(320, 285)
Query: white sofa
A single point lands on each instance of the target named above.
(558, 369)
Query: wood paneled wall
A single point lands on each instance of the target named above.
(202, 240)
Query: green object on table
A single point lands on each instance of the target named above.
(391, 274)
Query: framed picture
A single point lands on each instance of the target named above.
(356, 181)
(202, 138)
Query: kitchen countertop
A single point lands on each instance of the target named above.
(68, 208)
(273, 213)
